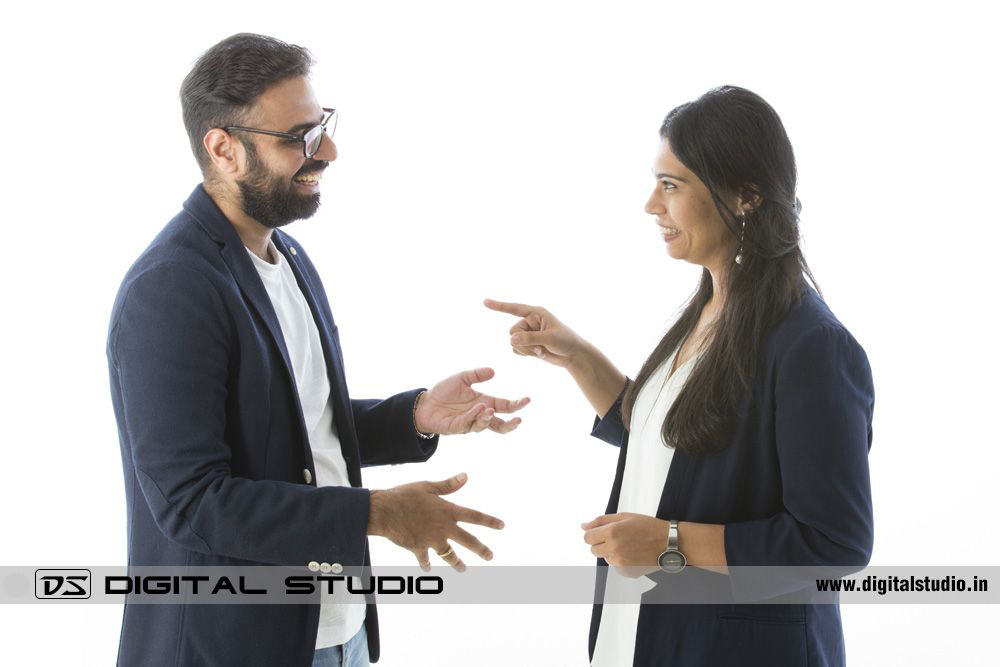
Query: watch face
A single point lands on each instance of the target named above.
(672, 561)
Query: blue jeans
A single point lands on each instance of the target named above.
(354, 653)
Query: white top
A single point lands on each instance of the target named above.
(647, 461)
(337, 622)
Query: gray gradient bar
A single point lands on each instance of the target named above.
(498, 585)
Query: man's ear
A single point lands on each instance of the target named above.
(223, 150)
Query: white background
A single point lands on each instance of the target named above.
(504, 150)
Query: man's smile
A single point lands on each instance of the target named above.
(310, 180)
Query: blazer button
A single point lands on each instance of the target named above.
(336, 568)
(291, 249)
(324, 567)
(314, 566)
(308, 476)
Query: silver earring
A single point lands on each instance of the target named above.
(743, 228)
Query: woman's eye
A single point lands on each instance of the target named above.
(667, 185)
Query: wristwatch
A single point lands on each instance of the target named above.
(672, 560)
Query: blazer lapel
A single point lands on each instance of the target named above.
(236, 257)
(250, 284)
(334, 362)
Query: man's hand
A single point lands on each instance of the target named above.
(415, 517)
(632, 542)
(453, 406)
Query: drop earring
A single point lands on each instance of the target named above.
(743, 228)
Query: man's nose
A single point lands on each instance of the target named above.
(327, 150)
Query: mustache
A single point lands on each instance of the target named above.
(319, 168)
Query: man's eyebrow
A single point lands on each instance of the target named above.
(302, 127)
(665, 175)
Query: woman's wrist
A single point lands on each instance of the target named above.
(581, 360)
(596, 376)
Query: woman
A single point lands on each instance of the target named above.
(749, 425)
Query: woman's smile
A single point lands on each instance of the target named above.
(669, 233)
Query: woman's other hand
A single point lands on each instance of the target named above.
(634, 542)
(627, 539)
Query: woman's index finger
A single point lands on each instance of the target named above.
(519, 309)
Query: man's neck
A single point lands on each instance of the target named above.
(254, 235)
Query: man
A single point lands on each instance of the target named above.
(240, 444)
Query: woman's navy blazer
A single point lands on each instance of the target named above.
(792, 488)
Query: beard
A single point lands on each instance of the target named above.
(271, 200)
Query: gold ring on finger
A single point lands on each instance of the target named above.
(447, 552)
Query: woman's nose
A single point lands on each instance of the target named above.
(652, 206)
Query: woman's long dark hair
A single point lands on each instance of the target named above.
(735, 143)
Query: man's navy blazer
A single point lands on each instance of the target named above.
(792, 488)
(218, 468)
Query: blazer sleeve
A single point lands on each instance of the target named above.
(610, 428)
(824, 400)
(169, 352)
(386, 433)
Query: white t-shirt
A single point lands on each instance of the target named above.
(647, 462)
(337, 622)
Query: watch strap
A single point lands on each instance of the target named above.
(672, 536)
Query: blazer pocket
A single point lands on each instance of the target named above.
(775, 614)
(752, 638)
(761, 619)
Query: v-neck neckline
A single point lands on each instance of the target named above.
(667, 380)
(674, 368)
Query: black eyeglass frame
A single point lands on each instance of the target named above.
(331, 114)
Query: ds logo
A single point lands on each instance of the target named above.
(62, 584)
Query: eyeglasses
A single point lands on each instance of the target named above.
(311, 140)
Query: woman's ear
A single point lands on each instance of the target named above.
(749, 199)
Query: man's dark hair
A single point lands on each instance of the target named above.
(229, 77)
